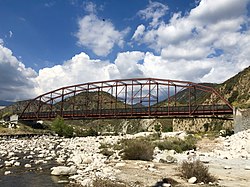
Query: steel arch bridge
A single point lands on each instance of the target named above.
(128, 98)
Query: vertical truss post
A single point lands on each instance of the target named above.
(175, 95)
(87, 103)
(189, 95)
(157, 93)
(98, 101)
(62, 102)
(116, 97)
(168, 97)
(126, 95)
(149, 98)
(132, 98)
(74, 102)
(51, 106)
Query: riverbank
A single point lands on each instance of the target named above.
(81, 158)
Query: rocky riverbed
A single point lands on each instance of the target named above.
(80, 158)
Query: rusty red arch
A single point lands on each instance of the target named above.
(138, 97)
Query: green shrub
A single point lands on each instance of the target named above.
(90, 132)
(136, 149)
(196, 169)
(107, 183)
(60, 128)
(177, 144)
(107, 152)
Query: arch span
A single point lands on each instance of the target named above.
(124, 98)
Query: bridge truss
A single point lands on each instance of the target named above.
(128, 98)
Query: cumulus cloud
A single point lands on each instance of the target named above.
(16, 81)
(129, 64)
(139, 32)
(153, 12)
(99, 35)
(206, 42)
(77, 70)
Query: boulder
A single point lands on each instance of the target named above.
(192, 180)
(63, 170)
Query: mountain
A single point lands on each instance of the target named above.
(237, 89)
(5, 103)
(182, 96)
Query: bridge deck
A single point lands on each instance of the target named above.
(177, 111)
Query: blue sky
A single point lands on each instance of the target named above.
(49, 44)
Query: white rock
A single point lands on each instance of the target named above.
(8, 163)
(227, 167)
(166, 185)
(27, 166)
(120, 164)
(62, 181)
(60, 160)
(63, 170)
(7, 172)
(247, 168)
(87, 160)
(192, 180)
(17, 164)
(86, 182)
(77, 159)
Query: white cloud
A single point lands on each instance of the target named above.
(139, 32)
(77, 70)
(209, 12)
(99, 35)
(16, 81)
(128, 64)
(153, 12)
(89, 7)
(10, 34)
(207, 44)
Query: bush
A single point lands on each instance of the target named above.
(136, 149)
(177, 144)
(196, 169)
(107, 183)
(107, 152)
(60, 128)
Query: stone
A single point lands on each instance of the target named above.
(63, 170)
(87, 160)
(17, 164)
(77, 159)
(192, 180)
(60, 160)
(247, 168)
(86, 182)
(169, 159)
(227, 167)
(8, 163)
(62, 181)
(120, 164)
(27, 166)
(7, 172)
(166, 185)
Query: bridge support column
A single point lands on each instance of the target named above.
(241, 119)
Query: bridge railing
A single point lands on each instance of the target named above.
(172, 111)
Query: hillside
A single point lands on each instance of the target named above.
(5, 103)
(237, 89)
(91, 100)
(183, 95)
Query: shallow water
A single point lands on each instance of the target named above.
(29, 179)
